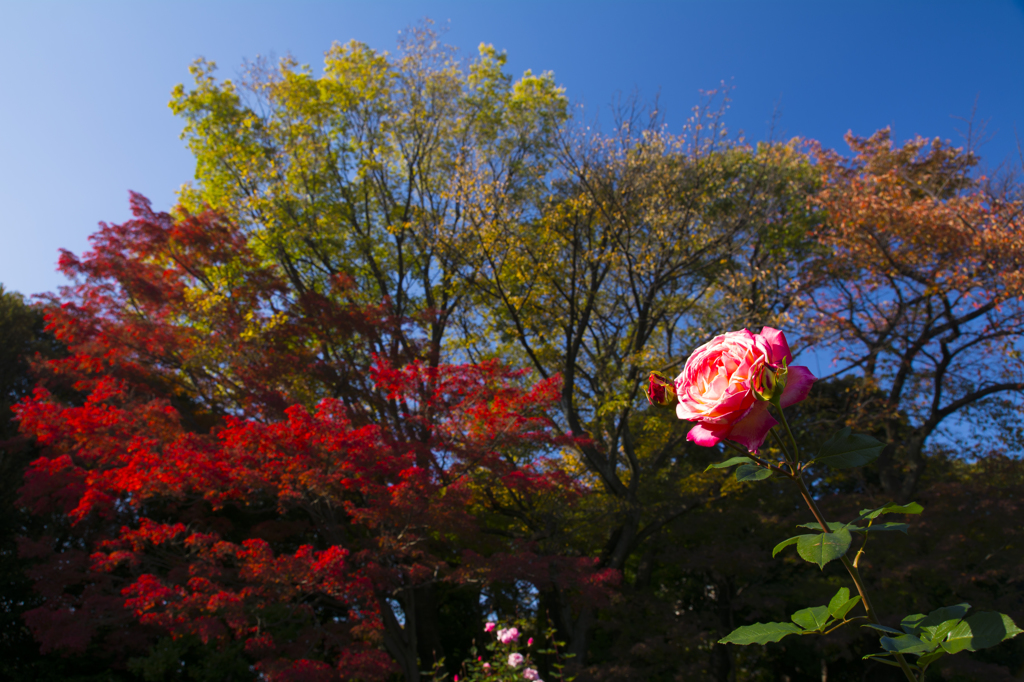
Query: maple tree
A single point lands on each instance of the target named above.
(214, 489)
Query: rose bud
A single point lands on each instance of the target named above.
(771, 384)
(660, 390)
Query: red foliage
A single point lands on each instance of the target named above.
(222, 476)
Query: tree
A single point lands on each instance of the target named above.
(919, 290)
(210, 492)
(646, 242)
(21, 338)
(351, 173)
(354, 174)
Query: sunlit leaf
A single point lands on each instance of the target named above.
(813, 618)
(822, 548)
(760, 633)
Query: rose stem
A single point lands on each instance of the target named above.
(820, 518)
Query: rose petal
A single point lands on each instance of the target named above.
(778, 344)
(798, 385)
(751, 430)
(707, 434)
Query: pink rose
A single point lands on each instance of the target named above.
(515, 660)
(718, 383)
(508, 636)
(531, 674)
(489, 626)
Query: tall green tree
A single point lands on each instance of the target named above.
(646, 243)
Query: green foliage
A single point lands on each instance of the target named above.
(752, 472)
(945, 631)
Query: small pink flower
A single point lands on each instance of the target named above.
(489, 626)
(531, 674)
(529, 642)
(515, 660)
(487, 666)
(508, 636)
(456, 678)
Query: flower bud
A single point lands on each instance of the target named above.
(660, 390)
(771, 383)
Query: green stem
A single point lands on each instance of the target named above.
(785, 452)
(789, 431)
(851, 567)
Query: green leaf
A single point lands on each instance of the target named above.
(907, 644)
(835, 525)
(910, 623)
(879, 658)
(883, 628)
(842, 596)
(832, 526)
(980, 631)
(760, 633)
(752, 472)
(813, 618)
(841, 603)
(846, 449)
(823, 547)
(939, 622)
(732, 461)
(887, 525)
(784, 544)
(891, 508)
(938, 632)
(928, 659)
(845, 608)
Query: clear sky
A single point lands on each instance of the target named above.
(83, 95)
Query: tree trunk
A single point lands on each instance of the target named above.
(416, 642)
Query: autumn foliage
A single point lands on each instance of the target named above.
(270, 438)
(204, 494)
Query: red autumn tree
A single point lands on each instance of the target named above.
(919, 289)
(245, 467)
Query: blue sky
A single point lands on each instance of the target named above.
(84, 116)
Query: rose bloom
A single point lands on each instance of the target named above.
(531, 674)
(508, 636)
(515, 659)
(489, 626)
(716, 387)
